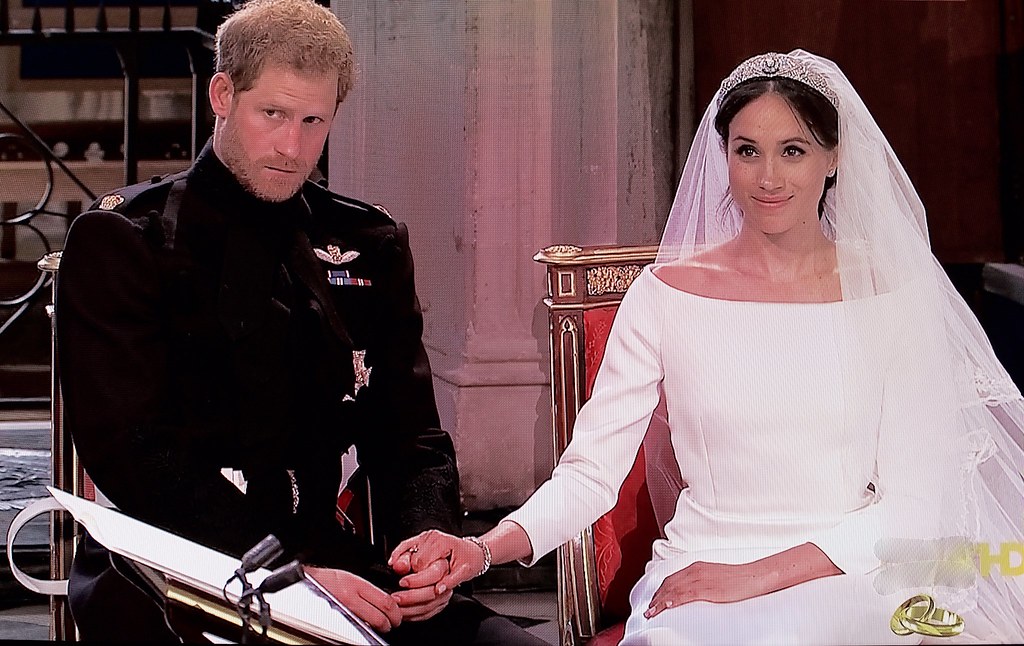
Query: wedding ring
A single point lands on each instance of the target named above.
(918, 614)
(896, 623)
(941, 623)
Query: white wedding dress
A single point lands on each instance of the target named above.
(780, 418)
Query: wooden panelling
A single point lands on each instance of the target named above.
(927, 70)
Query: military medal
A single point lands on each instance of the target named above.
(343, 277)
(362, 372)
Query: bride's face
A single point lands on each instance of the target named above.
(777, 169)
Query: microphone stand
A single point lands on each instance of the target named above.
(279, 579)
(260, 555)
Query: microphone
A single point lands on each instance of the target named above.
(283, 577)
(262, 554)
(279, 579)
(259, 555)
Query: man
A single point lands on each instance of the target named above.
(238, 319)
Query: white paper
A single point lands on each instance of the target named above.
(41, 506)
(298, 606)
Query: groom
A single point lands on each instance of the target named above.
(227, 333)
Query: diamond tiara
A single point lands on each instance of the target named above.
(775, 64)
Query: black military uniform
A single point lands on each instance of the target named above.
(200, 328)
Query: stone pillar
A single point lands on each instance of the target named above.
(490, 129)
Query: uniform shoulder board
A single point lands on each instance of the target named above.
(120, 199)
(321, 192)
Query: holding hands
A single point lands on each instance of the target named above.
(438, 561)
(421, 599)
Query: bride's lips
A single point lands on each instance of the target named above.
(772, 201)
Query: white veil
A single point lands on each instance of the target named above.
(967, 458)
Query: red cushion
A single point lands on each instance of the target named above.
(623, 536)
(622, 542)
(88, 488)
(610, 636)
(596, 325)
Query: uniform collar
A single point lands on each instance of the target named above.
(218, 185)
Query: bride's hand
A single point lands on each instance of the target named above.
(721, 583)
(714, 582)
(465, 558)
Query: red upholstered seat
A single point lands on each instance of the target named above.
(623, 536)
(597, 570)
(88, 488)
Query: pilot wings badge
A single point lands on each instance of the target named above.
(335, 256)
(362, 372)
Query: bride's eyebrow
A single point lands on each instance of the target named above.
(789, 140)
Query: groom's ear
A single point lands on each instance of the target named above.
(222, 94)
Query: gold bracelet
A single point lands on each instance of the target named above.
(919, 614)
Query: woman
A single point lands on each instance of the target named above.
(845, 434)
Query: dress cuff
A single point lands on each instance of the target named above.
(850, 543)
(539, 547)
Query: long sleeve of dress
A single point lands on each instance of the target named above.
(608, 431)
(917, 480)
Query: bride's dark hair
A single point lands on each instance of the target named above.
(817, 113)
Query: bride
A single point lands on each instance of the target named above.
(846, 437)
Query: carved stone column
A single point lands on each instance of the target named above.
(490, 128)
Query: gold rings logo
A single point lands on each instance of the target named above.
(919, 615)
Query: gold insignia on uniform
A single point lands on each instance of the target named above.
(111, 201)
(362, 372)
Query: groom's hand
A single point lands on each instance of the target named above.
(421, 600)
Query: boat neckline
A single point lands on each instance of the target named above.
(650, 270)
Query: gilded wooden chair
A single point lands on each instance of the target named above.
(67, 474)
(597, 569)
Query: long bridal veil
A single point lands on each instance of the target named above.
(964, 458)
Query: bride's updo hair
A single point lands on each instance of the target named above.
(817, 113)
(814, 109)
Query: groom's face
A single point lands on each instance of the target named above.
(271, 135)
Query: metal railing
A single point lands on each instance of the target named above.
(25, 284)
(33, 283)
(22, 290)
